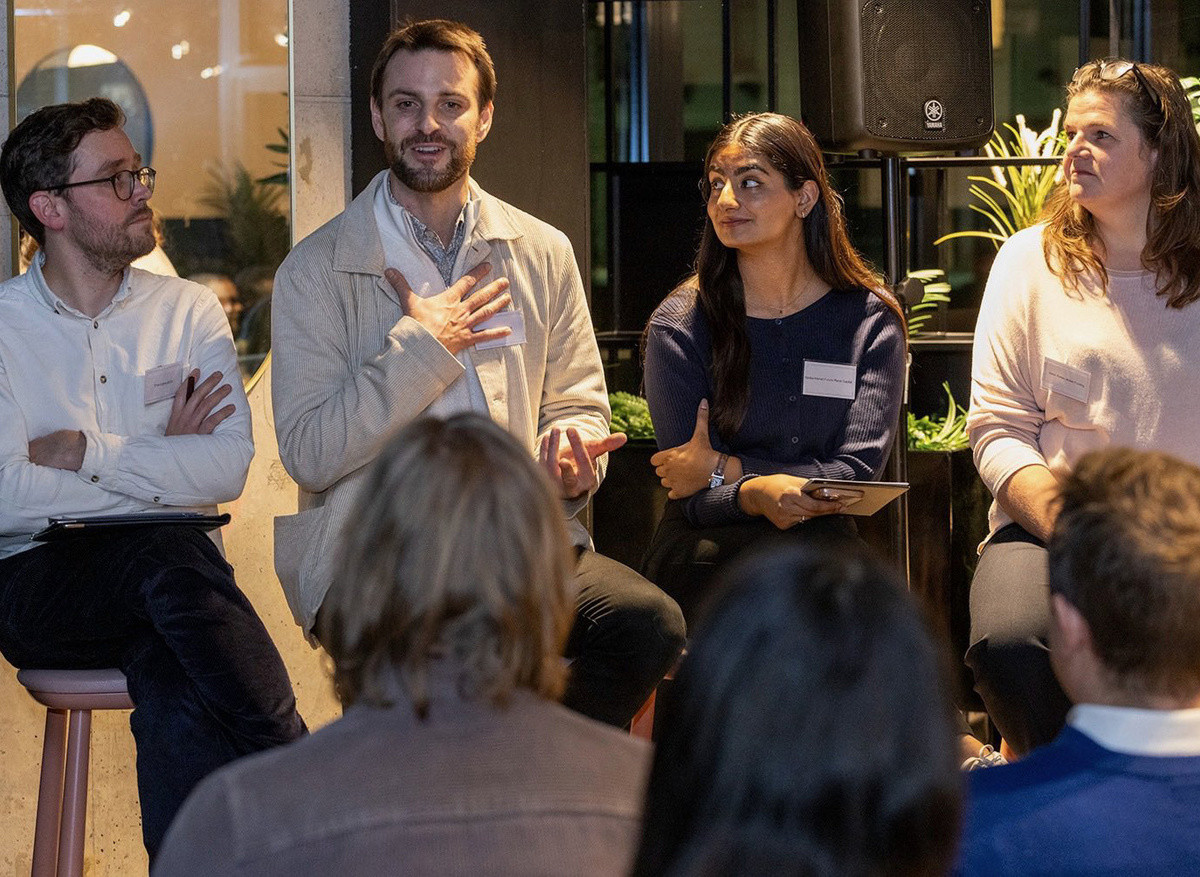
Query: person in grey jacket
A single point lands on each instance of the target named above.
(382, 315)
(445, 633)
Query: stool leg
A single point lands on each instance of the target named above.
(70, 841)
(643, 723)
(50, 795)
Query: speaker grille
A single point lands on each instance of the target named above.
(927, 73)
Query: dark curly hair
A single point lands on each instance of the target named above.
(39, 152)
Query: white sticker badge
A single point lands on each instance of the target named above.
(833, 380)
(162, 382)
(514, 320)
(1058, 377)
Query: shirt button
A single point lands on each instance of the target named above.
(95, 324)
(158, 499)
(103, 379)
(786, 360)
(791, 398)
(95, 478)
(795, 439)
(779, 322)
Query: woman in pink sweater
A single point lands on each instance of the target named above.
(1087, 337)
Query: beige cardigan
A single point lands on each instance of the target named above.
(349, 368)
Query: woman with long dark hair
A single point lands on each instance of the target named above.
(809, 731)
(780, 360)
(1087, 337)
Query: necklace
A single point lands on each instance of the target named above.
(781, 310)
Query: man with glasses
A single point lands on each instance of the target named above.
(428, 296)
(112, 400)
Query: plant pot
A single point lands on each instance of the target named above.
(627, 508)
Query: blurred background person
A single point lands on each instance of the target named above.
(226, 292)
(446, 628)
(1086, 338)
(810, 733)
(780, 359)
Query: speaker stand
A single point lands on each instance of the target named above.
(895, 232)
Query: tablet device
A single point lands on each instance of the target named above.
(67, 528)
(861, 497)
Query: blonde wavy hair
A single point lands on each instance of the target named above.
(1157, 104)
(459, 554)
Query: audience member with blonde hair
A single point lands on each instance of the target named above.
(446, 625)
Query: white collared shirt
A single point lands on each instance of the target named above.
(1139, 731)
(61, 369)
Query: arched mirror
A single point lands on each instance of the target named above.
(204, 90)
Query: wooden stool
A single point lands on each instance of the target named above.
(69, 697)
(643, 723)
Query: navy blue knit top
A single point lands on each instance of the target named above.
(784, 430)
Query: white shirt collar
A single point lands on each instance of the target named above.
(57, 304)
(1139, 731)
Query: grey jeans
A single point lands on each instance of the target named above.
(1010, 615)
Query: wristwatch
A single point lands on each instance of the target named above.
(717, 478)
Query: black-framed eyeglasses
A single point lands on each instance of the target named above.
(122, 182)
(1111, 71)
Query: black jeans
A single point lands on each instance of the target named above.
(627, 635)
(160, 604)
(1010, 615)
(682, 558)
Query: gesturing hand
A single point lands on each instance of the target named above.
(451, 316)
(63, 449)
(684, 470)
(572, 468)
(195, 415)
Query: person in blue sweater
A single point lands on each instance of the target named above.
(780, 359)
(1118, 790)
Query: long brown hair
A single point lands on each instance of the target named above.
(789, 148)
(1172, 248)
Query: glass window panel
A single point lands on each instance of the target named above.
(204, 89)
(748, 61)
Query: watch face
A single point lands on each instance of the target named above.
(716, 480)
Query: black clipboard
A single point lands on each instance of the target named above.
(69, 528)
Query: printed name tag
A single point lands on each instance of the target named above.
(162, 382)
(1058, 377)
(513, 320)
(830, 379)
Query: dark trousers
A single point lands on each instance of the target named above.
(682, 558)
(1010, 615)
(627, 635)
(160, 604)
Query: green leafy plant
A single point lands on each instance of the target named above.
(1191, 85)
(937, 291)
(1012, 197)
(280, 178)
(631, 415)
(256, 225)
(947, 433)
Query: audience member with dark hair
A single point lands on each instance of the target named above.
(1118, 791)
(780, 360)
(96, 417)
(809, 731)
(445, 624)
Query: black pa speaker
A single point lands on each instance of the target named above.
(896, 76)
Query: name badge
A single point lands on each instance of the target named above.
(1058, 377)
(514, 320)
(162, 382)
(832, 380)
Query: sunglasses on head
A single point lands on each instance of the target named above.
(1111, 71)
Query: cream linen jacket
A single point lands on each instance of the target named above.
(349, 368)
